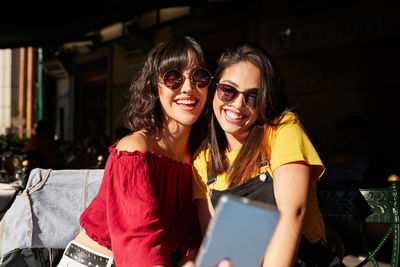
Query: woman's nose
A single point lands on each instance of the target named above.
(239, 101)
(187, 84)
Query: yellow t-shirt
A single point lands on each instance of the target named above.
(287, 143)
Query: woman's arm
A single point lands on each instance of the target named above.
(205, 212)
(291, 185)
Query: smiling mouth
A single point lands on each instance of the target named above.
(233, 115)
(186, 102)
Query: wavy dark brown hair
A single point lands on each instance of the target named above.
(272, 104)
(144, 108)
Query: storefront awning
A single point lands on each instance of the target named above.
(39, 24)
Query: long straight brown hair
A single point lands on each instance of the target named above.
(272, 105)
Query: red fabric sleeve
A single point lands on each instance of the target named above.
(133, 215)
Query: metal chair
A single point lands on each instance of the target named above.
(384, 204)
(367, 205)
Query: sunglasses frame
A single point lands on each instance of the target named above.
(162, 80)
(251, 91)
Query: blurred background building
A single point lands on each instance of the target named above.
(68, 66)
(71, 64)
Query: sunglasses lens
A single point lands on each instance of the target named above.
(251, 100)
(173, 79)
(201, 78)
(226, 93)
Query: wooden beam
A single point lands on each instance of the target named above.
(29, 88)
(21, 87)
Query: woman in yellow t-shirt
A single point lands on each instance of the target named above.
(257, 148)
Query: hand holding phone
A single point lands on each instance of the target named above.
(240, 231)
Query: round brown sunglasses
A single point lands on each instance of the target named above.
(174, 79)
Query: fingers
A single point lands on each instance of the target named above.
(225, 263)
(189, 264)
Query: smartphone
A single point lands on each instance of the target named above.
(239, 231)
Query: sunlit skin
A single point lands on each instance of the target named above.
(291, 181)
(224, 263)
(183, 105)
(181, 108)
(235, 118)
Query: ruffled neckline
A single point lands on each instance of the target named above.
(124, 153)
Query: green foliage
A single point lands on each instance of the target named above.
(11, 142)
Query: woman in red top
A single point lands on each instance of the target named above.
(143, 211)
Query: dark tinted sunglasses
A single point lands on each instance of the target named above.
(174, 79)
(227, 93)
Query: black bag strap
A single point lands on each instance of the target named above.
(211, 178)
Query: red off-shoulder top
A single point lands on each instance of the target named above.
(143, 211)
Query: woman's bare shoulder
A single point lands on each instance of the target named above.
(136, 141)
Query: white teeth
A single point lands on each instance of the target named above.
(232, 115)
(186, 101)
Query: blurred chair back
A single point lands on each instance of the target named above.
(46, 213)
